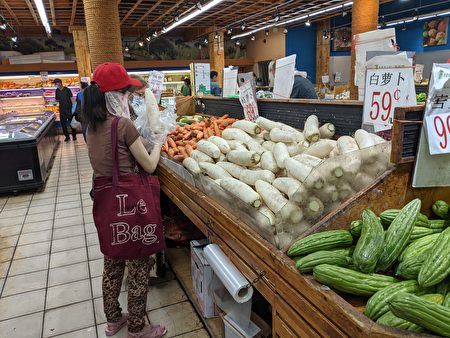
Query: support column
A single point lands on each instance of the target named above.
(364, 19)
(217, 54)
(80, 41)
(322, 51)
(103, 30)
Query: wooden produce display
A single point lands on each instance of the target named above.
(301, 307)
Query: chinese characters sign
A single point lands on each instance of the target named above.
(155, 82)
(248, 101)
(387, 88)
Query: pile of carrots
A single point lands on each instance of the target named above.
(183, 140)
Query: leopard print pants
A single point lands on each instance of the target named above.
(138, 279)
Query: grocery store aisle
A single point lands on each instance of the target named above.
(51, 265)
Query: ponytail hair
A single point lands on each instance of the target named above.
(94, 109)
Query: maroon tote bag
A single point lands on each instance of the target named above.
(127, 211)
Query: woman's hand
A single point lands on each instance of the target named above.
(146, 160)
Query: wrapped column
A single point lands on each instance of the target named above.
(364, 19)
(103, 28)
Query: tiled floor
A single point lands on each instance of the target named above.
(51, 265)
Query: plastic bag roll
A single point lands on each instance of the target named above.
(236, 284)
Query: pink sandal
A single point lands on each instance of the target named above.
(113, 327)
(149, 331)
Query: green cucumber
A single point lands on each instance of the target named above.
(441, 209)
(355, 228)
(418, 246)
(388, 216)
(325, 240)
(419, 232)
(340, 257)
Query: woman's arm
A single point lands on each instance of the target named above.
(148, 162)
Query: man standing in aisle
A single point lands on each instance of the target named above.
(215, 90)
(64, 96)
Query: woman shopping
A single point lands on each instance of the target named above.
(115, 148)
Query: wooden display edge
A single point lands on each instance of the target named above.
(298, 101)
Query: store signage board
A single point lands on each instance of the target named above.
(86, 79)
(202, 83)
(230, 78)
(248, 100)
(389, 84)
(432, 167)
(155, 83)
(284, 77)
(44, 76)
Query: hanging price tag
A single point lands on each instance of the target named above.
(248, 101)
(155, 83)
(385, 89)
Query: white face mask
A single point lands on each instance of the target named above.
(117, 104)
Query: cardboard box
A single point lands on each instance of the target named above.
(202, 274)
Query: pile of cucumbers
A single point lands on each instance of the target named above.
(400, 259)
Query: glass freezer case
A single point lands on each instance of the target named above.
(27, 145)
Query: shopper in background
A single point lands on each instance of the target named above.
(186, 87)
(136, 98)
(76, 108)
(110, 87)
(303, 88)
(215, 90)
(64, 96)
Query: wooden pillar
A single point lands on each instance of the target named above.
(80, 41)
(217, 54)
(103, 30)
(322, 51)
(364, 19)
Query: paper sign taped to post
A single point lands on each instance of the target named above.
(248, 101)
(155, 83)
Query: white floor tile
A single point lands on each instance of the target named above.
(35, 237)
(68, 205)
(195, 334)
(68, 257)
(66, 192)
(96, 267)
(94, 252)
(20, 198)
(68, 221)
(11, 221)
(92, 239)
(8, 242)
(97, 286)
(68, 318)
(68, 243)
(68, 294)
(39, 209)
(70, 231)
(27, 265)
(22, 304)
(68, 213)
(4, 269)
(90, 332)
(68, 273)
(43, 216)
(29, 326)
(6, 254)
(90, 228)
(12, 213)
(165, 294)
(31, 250)
(98, 305)
(37, 226)
(68, 198)
(24, 283)
(88, 218)
(10, 230)
(38, 202)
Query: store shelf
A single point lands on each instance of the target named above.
(180, 261)
(173, 82)
(20, 89)
(21, 97)
(20, 107)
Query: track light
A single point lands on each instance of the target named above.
(325, 34)
(141, 43)
(266, 32)
(217, 36)
(176, 16)
(14, 39)
(243, 26)
(308, 23)
(253, 37)
(148, 38)
(238, 43)
(229, 30)
(285, 30)
(205, 41)
(416, 14)
(126, 48)
(404, 27)
(276, 17)
(199, 6)
(383, 22)
(3, 23)
(155, 34)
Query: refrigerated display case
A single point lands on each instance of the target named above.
(27, 144)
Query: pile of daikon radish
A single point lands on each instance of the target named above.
(289, 176)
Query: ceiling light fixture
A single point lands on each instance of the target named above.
(206, 41)
(308, 23)
(192, 15)
(3, 23)
(285, 30)
(416, 14)
(266, 32)
(141, 43)
(404, 27)
(243, 26)
(238, 43)
(217, 36)
(276, 17)
(155, 34)
(43, 15)
(229, 30)
(199, 5)
(126, 48)
(148, 38)
(14, 39)
(253, 37)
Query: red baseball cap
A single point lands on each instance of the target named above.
(111, 76)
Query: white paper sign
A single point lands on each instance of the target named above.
(44, 76)
(325, 79)
(418, 73)
(385, 89)
(202, 81)
(155, 83)
(284, 77)
(248, 101)
(230, 86)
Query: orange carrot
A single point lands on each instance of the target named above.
(179, 143)
(178, 158)
(216, 129)
(166, 145)
(188, 149)
(171, 152)
(200, 135)
(183, 152)
(223, 117)
(171, 142)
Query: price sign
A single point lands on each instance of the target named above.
(438, 129)
(44, 76)
(155, 83)
(385, 89)
(248, 101)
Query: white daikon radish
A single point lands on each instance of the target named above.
(361, 180)
(327, 130)
(247, 126)
(253, 145)
(266, 124)
(351, 163)
(288, 128)
(221, 143)
(258, 139)
(281, 153)
(311, 130)
(208, 148)
(374, 169)
(200, 156)
(283, 240)
(271, 196)
(321, 148)
(190, 164)
(241, 191)
(291, 213)
(251, 176)
(268, 145)
(278, 135)
(245, 158)
(266, 135)
(213, 170)
(345, 190)
(236, 145)
(297, 148)
(268, 162)
(268, 214)
(233, 169)
(346, 144)
(377, 139)
(310, 160)
(315, 180)
(299, 196)
(236, 134)
(329, 193)
(297, 170)
(221, 158)
(218, 181)
(287, 185)
(363, 139)
(314, 208)
(334, 152)
(152, 109)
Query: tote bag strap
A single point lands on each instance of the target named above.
(114, 150)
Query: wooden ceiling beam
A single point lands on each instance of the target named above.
(147, 13)
(130, 11)
(74, 11)
(10, 11)
(159, 18)
(52, 12)
(33, 13)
